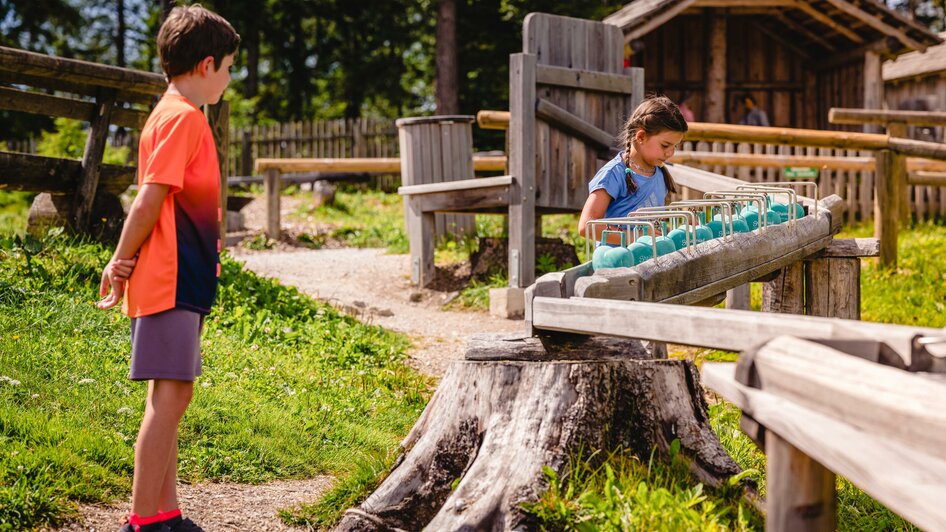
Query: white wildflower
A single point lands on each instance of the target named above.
(87, 381)
(123, 411)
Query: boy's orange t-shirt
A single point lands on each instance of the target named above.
(179, 263)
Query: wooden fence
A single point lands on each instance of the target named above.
(337, 139)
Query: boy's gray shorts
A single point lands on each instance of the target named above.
(166, 345)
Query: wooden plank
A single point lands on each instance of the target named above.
(730, 330)
(92, 160)
(421, 238)
(34, 173)
(573, 124)
(38, 103)
(800, 492)
(852, 248)
(453, 186)
(485, 200)
(583, 79)
(840, 115)
(738, 298)
(522, 167)
(484, 163)
(80, 72)
(714, 109)
(828, 21)
(909, 483)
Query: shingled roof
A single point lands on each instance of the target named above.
(818, 26)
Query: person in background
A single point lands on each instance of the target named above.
(753, 116)
(685, 109)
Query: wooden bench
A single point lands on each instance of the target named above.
(569, 95)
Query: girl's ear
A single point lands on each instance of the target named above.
(640, 135)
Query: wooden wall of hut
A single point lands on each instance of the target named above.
(921, 93)
(759, 62)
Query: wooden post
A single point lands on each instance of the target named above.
(899, 129)
(522, 168)
(637, 91)
(218, 116)
(246, 153)
(420, 234)
(887, 204)
(801, 493)
(92, 160)
(739, 298)
(272, 186)
(786, 293)
(873, 86)
(715, 103)
(833, 287)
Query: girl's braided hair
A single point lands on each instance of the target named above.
(654, 116)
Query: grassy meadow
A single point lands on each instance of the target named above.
(292, 389)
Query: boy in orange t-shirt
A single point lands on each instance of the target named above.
(166, 263)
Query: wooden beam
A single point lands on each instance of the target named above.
(889, 179)
(456, 186)
(805, 7)
(92, 161)
(34, 173)
(907, 481)
(742, 3)
(52, 83)
(854, 55)
(39, 103)
(838, 115)
(573, 124)
(800, 492)
(787, 43)
(489, 163)
(493, 119)
(877, 24)
(772, 161)
(80, 72)
(643, 29)
(930, 179)
(714, 328)
(848, 248)
(873, 87)
(583, 79)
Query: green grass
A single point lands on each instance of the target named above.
(359, 218)
(290, 387)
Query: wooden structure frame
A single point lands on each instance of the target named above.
(101, 95)
(795, 57)
(568, 97)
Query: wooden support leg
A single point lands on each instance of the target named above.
(801, 493)
(833, 288)
(272, 186)
(890, 179)
(420, 234)
(786, 293)
(739, 298)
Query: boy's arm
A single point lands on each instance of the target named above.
(141, 220)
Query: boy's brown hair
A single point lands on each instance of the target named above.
(654, 115)
(192, 33)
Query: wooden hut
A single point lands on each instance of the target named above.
(797, 58)
(917, 82)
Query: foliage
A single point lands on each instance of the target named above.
(291, 388)
(359, 218)
(68, 141)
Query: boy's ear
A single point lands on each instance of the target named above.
(206, 65)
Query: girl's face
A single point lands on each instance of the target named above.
(656, 149)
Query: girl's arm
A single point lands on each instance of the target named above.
(141, 220)
(595, 207)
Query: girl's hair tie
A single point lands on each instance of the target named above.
(628, 171)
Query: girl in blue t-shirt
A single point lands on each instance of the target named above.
(637, 177)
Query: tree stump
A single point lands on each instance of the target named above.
(517, 404)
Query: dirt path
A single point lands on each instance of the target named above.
(373, 286)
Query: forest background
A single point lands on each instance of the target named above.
(320, 59)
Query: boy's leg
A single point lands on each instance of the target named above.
(167, 401)
(168, 500)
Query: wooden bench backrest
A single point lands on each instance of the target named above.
(564, 162)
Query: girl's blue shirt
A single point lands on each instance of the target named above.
(651, 190)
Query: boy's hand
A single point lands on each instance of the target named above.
(114, 276)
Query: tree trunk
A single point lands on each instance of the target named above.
(447, 90)
(514, 406)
